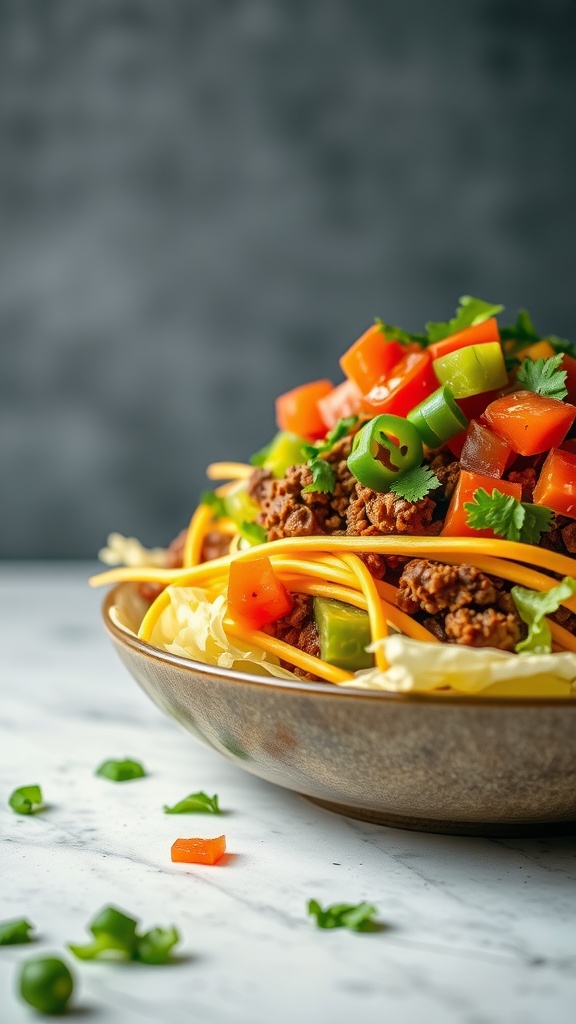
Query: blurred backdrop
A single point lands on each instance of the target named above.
(204, 202)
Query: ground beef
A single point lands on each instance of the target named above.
(214, 545)
(527, 478)
(299, 629)
(371, 513)
(288, 510)
(466, 606)
(447, 469)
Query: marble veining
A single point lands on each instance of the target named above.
(478, 931)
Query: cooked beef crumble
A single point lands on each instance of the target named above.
(467, 606)
(299, 629)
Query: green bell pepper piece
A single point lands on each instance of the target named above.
(472, 370)
(239, 505)
(284, 450)
(344, 634)
(383, 449)
(438, 418)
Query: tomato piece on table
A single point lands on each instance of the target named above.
(198, 851)
(476, 335)
(530, 423)
(297, 410)
(484, 452)
(344, 400)
(556, 485)
(256, 596)
(456, 522)
(370, 358)
(409, 382)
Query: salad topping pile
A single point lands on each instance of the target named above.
(400, 521)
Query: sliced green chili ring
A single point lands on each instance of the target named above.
(383, 449)
(438, 418)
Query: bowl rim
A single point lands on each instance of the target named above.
(307, 686)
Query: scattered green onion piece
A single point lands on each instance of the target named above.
(155, 946)
(195, 803)
(46, 983)
(438, 418)
(121, 771)
(15, 932)
(114, 935)
(358, 917)
(26, 800)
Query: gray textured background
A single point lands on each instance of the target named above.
(203, 203)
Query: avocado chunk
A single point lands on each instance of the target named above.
(343, 633)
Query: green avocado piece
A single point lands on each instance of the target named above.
(344, 634)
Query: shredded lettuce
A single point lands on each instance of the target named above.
(533, 606)
(192, 626)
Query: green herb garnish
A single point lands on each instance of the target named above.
(508, 517)
(195, 803)
(469, 313)
(532, 607)
(15, 932)
(253, 533)
(358, 917)
(116, 937)
(215, 503)
(26, 800)
(323, 476)
(46, 983)
(121, 771)
(415, 484)
(543, 376)
(392, 333)
(523, 331)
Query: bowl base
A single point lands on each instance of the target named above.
(534, 829)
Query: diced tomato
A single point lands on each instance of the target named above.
(484, 452)
(256, 596)
(474, 405)
(476, 335)
(530, 423)
(539, 350)
(556, 485)
(198, 851)
(569, 445)
(456, 522)
(409, 382)
(456, 443)
(569, 364)
(344, 400)
(370, 358)
(297, 410)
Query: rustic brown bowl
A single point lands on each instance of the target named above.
(454, 764)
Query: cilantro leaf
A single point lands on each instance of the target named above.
(508, 517)
(469, 313)
(392, 333)
(15, 931)
(195, 803)
(253, 533)
(323, 477)
(342, 428)
(544, 377)
(358, 917)
(26, 800)
(121, 771)
(415, 484)
(532, 607)
(215, 503)
(522, 331)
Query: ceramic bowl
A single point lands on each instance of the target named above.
(454, 764)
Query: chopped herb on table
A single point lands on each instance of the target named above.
(46, 983)
(195, 803)
(15, 931)
(358, 917)
(121, 771)
(116, 937)
(26, 800)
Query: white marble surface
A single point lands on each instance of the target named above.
(481, 930)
